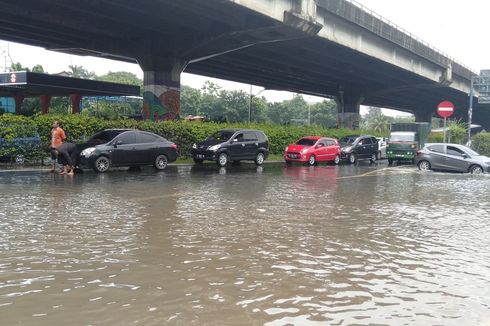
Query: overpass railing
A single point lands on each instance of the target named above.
(355, 12)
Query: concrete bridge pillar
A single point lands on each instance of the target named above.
(161, 83)
(348, 110)
(423, 115)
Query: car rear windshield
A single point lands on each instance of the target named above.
(221, 135)
(306, 142)
(104, 136)
(402, 137)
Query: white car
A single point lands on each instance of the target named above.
(382, 147)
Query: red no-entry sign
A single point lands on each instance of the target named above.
(445, 109)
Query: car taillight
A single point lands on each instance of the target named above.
(174, 146)
(419, 152)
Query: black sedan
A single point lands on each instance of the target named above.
(126, 147)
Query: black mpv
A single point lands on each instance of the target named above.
(232, 145)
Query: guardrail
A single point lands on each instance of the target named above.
(374, 22)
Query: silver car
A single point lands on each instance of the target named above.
(451, 157)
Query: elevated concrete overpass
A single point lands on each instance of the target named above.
(330, 48)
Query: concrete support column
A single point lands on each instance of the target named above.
(75, 103)
(45, 103)
(348, 110)
(161, 96)
(18, 103)
(422, 115)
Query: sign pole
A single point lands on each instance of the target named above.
(444, 130)
(470, 111)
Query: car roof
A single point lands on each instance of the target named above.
(237, 129)
(311, 137)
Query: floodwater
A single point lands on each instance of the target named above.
(295, 245)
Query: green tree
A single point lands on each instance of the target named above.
(38, 68)
(324, 113)
(375, 120)
(18, 67)
(81, 72)
(122, 77)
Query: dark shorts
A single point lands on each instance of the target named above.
(53, 154)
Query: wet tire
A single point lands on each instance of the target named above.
(352, 158)
(424, 165)
(312, 160)
(222, 160)
(476, 169)
(102, 164)
(374, 157)
(161, 162)
(197, 161)
(336, 160)
(260, 158)
(390, 162)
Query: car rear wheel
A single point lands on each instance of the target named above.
(222, 159)
(424, 166)
(352, 158)
(260, 158)
(374, 157)
(102, 164)
(476, 169)
(336, 160)
(312, 160)
(161, 162)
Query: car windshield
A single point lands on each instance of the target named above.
(306, 142)
(348, 140)
(402, 137)
(221, 135)
(104, 136)
(470, 151)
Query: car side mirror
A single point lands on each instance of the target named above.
(318, 146)
(235, 140)
(117, 143)
(465, 156)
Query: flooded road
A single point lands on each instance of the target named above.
(326, 245)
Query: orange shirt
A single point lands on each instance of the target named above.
(57, 137)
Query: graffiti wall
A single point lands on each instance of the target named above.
(161, 99)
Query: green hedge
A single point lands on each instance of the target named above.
(79, 128)
(481, 143)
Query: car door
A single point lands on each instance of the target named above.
(237, 146)
(124, 148)
(251, 145)
(330, 150)
(363, 147)
(321, 150)
(436, 156)
(455, 159)
(145, 148)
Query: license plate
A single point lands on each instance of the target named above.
(293, 156)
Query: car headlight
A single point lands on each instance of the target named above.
(194, 146)
(87, 152)
(304, 150)
(214, 148)
(347, 149)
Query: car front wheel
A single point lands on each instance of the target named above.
(102, 164)
(352, 158)
(222, 159)
(424, 166)
(260, 158)
(161, 162)
(476, 169)
(312, 160)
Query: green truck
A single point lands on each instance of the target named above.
(405, 140)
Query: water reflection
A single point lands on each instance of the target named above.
(280, 245)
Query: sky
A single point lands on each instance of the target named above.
(457, 28)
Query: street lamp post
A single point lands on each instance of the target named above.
(250, 102)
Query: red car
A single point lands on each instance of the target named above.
(313, 149)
